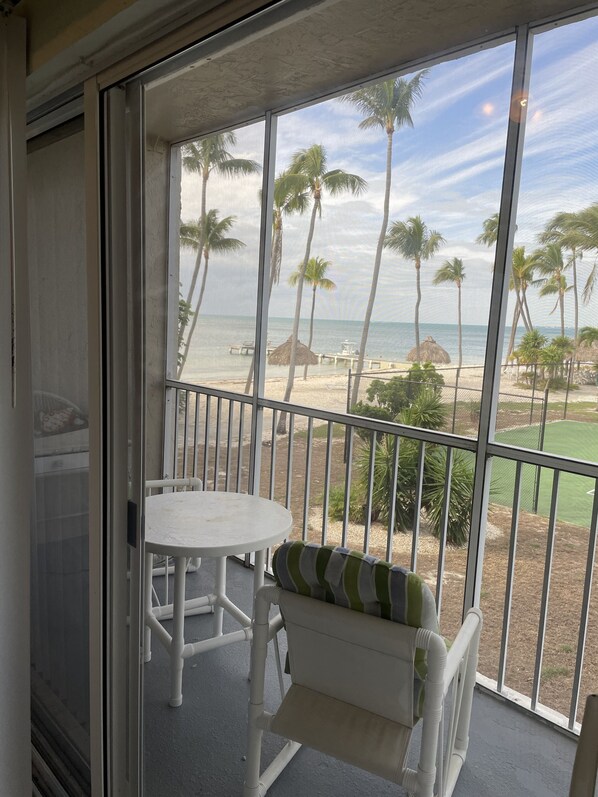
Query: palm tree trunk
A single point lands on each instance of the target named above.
(562, 310)
(202, 234)
(459, 326)
(417, 303)
(516, 314)
(526, 307)
(311, 326)
(196, 268)
(195, 314)
(375, 273)
(275, 260)
(282, 422)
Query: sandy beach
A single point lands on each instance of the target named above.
(329, 392)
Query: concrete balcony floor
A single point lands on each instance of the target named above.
(198, 749)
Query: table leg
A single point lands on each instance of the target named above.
(178, 632)
(258, 573)
(220, 591)
(147, 642)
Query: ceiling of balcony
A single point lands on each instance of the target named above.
(336, 43)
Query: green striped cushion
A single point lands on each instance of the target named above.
(363, 583)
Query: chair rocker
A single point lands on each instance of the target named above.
(367, 664)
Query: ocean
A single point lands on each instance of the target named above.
(210, 360)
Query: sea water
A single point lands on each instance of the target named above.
(210, 357)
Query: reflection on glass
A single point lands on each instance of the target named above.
(59, 534)
(549, 380)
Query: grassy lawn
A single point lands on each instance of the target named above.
(568, 438)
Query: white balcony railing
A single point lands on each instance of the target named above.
(537, 570)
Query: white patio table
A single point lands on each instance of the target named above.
(205, 524)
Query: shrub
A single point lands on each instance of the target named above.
(383, 480)
(461, 495)
(336, 504)
(394, 395)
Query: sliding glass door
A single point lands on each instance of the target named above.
(59, 533)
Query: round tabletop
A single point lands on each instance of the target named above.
(202, 523)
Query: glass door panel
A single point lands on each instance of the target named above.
(59, 533)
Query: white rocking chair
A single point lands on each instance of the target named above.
(361, 682)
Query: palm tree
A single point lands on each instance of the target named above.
(212, 236)
(586, 226)
(522, 274)
(416, 242)
(310, 168)
(489, 234)
(452, 271)
(563, 230)
(289, 197)
(315, 275)
(385, 105)
(211, 154)
(556, 354)
(551, 265)
(588, 336)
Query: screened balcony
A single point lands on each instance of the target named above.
(200, 748)
(400, 349)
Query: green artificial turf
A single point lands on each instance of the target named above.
(568, 438)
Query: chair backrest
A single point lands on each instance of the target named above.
(331, 649)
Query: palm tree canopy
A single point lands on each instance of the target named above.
(215, 239)
(309, 169)
(549, 260)
(588, 336)
(290, 195)
(522, 268)
(587, 229)
(413, 239)
(213, 154)
(531, 346)
(388, 104)
(562, 229)
(450, 271)
(315, 274)
(489, 234)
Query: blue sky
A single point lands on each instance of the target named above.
(447, 168)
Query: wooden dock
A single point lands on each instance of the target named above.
(348, 360)
(247, 349)
(351, 360)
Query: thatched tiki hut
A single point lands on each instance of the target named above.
(429, 352)
(282, 354)
(587, 353)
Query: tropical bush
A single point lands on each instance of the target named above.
(387, 398)
(336, 504)
(459, 510)
(427, 411)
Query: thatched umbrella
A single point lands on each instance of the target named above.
(429, 352)
(587, 354)
(282, 354)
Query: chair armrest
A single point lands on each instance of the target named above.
(471, 628)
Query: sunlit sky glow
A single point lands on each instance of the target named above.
(447, 168)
